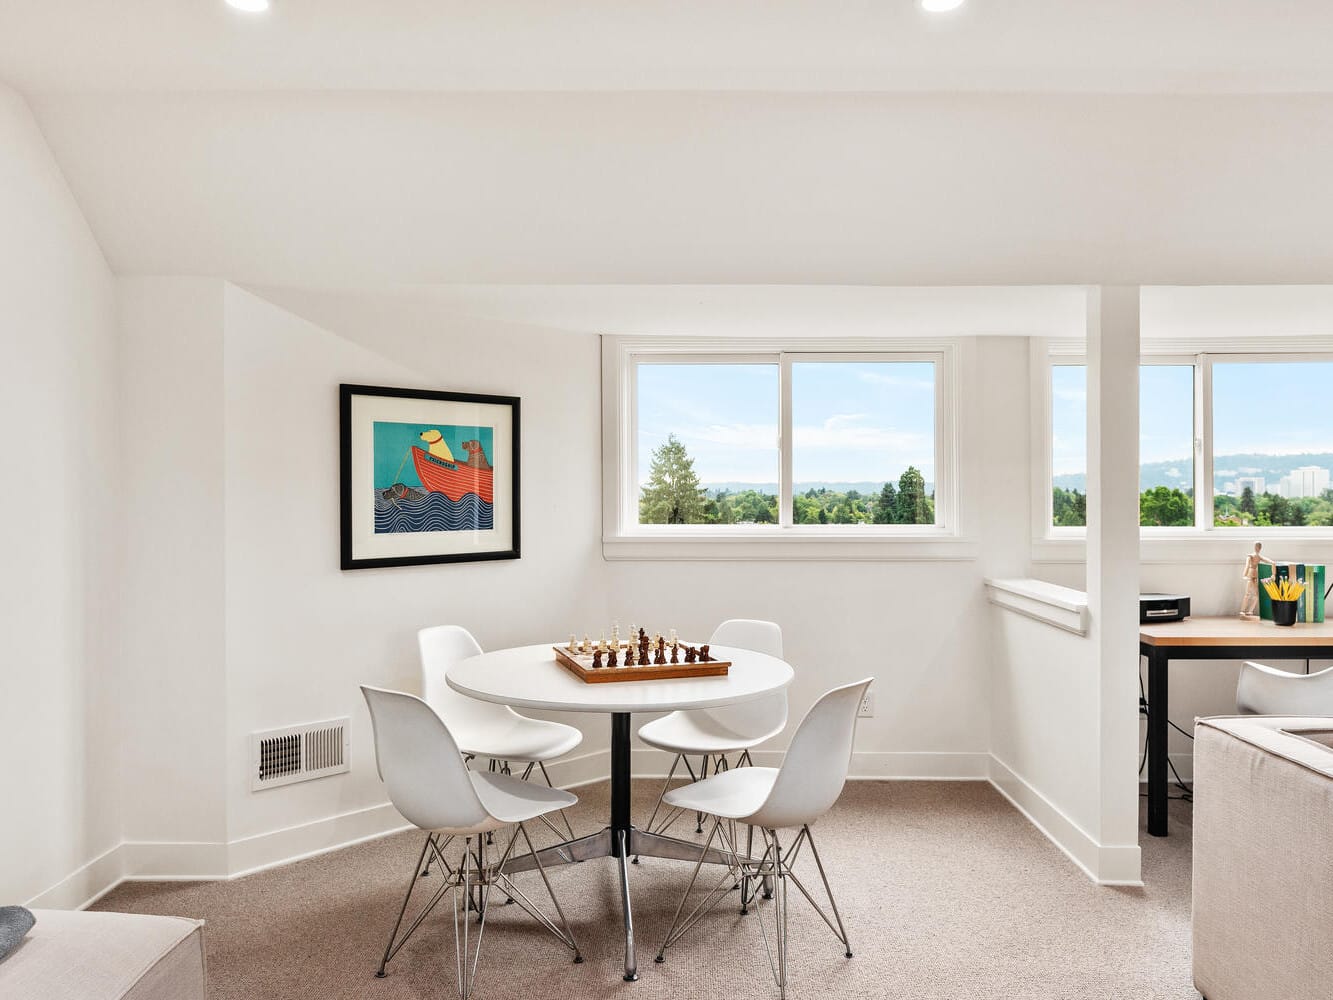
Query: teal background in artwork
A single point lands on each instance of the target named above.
(393, 440)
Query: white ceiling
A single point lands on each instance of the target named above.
(319, 190)
(1145, 46)
(698, 310)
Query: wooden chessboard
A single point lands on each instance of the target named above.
(580, 665)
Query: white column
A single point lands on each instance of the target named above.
(1113, 566)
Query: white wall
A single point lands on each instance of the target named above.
(58, 529)
(301, 633)
(175, 643)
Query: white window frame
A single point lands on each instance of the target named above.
(1203, 542)
(624, 538)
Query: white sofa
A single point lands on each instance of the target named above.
(1263, 858)
(79, 955)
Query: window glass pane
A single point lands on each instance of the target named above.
(1069, 445)
(708, 443)
(1166, 445)
(1272, 443)
(863, 448)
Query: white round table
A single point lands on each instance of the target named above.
(530, 677)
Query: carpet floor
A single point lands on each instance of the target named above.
(947, 892)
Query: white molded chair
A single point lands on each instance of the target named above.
(714, 734)
(483, 728)
(1265, 690)
(793, 796)
(428, 782)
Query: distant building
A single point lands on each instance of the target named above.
(1256, 483)
(1307, 481)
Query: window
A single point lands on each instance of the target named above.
(1272, 443)
(863, 442)
(1269, 443)
(777, 443)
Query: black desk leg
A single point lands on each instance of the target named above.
(1157, 740)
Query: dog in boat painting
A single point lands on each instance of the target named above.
(422, 483)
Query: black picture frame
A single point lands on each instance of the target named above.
(350, 557)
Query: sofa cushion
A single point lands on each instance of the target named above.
(75, 955)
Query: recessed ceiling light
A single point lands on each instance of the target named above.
(249, 6)
(940, 6)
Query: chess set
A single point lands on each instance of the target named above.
(640, 658)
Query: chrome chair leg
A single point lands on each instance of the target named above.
(388, 949)
(563, 814)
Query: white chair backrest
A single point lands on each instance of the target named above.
(1264, 690)
(762, 715)
(815, 767)
(419, 763)
(441, 647)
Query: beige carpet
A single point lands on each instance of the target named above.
(947, 892)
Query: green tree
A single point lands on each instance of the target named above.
(913, 507)
(886, 507)
(1069, 508)
(1298, 518)
(1164, 506)
(672, 494)
(1247, 500)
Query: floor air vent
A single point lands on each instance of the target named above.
(298, 753)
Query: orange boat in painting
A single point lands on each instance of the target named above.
(456, 479)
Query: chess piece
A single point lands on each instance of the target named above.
(573, 643)
(629, 655)
(675, 651)
(1249, 605)
(611, 659)
(597, 659)
(703, 653)
(659, 658)
(586, 643)
(690, 654)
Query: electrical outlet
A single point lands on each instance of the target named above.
(867, 709)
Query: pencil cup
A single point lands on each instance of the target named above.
(1284, 612)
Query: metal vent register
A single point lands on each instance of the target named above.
(298, 753)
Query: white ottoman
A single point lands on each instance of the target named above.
(78, 955)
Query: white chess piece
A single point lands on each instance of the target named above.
(573, 643)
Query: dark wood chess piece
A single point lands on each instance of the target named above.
(611, 657)
(703, 653)
(690, 654)
(675, 652)
(659, 658)
(629, 655)
(597, 659)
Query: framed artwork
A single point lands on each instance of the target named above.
(427, 477)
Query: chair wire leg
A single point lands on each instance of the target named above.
(570, 940)
(403, 909)
(847, 944)
(563, 814)
(679, 927)
(699, 817)
(777, 962)
(666, 786)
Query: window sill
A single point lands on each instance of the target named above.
(1222, 546)
(789, 545)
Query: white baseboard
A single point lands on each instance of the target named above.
(1105, 864)
(167, 861)
(83, 886)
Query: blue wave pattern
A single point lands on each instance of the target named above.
(433, 512)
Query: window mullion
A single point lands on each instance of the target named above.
(785, 518)
(1203, 472)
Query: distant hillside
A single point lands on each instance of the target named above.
(1177, 473)
(836, 487)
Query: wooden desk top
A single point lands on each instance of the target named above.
(1235, 631)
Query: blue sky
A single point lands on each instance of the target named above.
(851, 421)
(1271, 409)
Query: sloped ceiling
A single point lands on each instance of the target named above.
(1089, 46)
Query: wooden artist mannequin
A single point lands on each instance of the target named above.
(1249, 606)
